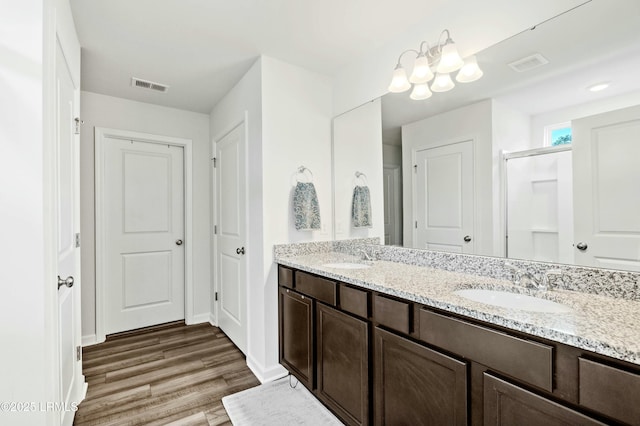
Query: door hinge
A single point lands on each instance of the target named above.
(415, 168)
(78, 353)
(416, 224)
(215, 161)
(78, 124)
(77, 240)
(216, 296)
(215, 229)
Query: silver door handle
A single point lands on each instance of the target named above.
(467, 238)
(68, 282)
(581, 246)
(178, 242)
(240, 250)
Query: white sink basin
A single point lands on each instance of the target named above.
(347, 265)
(505, 299)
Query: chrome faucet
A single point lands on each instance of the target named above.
(521, 276)
(365, 255)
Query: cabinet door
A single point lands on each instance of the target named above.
(296, 335)
(414, 385)
(507, 404)
(343, 364)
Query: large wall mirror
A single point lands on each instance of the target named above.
(538, 160)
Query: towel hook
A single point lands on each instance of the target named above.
(362, 176)
(303, 169)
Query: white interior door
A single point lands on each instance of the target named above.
(230, 256)
(68, 224)
(392, 205)
(606, 149)
(444, 197)
(143, 215)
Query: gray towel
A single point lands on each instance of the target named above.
(361, 207)
(305, 206)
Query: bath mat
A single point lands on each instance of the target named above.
(276, 403)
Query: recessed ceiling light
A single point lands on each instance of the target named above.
(598, 87)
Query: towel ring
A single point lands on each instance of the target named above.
(362, 177)
(301, 171)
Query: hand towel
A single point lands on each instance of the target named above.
(306, 209)
(361, 207)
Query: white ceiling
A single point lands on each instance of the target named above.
(201, 48)
(599, 41)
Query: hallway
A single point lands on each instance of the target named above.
(164, 374)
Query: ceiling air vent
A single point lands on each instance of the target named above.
(528, 63)
(145, 84)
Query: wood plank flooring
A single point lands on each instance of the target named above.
(166, 375)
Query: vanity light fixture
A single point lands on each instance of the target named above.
(443, 58)
(598, 87)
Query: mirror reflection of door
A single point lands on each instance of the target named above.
(607, 189)
(392, 205)
(445, 198)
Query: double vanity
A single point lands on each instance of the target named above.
(406, 339)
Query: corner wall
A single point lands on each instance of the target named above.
(110, 112)
(296, 118)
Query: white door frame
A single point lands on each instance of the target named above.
(100, 134)
(214, 214)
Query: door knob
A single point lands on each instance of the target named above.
(178, 242)
(467, 238)
(68, 282)
(240, 250)
(581, 246)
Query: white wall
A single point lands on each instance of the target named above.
(469, 122)
(357, 146)
(106, 111)
(474, 26)
(539, 121)
(22, 216)
(296, 126)
(391, 154)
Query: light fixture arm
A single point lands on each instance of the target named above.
(399, 64)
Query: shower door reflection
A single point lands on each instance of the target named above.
(539, 205)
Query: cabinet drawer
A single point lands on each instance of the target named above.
(507, 404)
(320, 289)
(610, 391)
(391, 313)
(285, 277)
(529, 361)
(354, 301)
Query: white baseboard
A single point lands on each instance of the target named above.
(266, 374)
(89, 340)
(199, 319)
(212, 320)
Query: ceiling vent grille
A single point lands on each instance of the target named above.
(145, 84)
(528, 63)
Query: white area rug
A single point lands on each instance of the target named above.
(276, 403)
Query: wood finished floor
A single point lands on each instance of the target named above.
(167, 375)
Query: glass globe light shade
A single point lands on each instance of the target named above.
(470, 71)
(421, 71)
(442, 83)
(399, 82)
(420, 92)
(450, 59)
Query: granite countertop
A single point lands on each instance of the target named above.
(601, 324)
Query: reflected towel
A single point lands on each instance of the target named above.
(305, 207)
(361, 207)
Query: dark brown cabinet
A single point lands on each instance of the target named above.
(507, 404)
(343, 364)
(378, 359)
(296, 335)
(414, 385)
